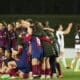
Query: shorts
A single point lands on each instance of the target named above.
(23, 66)
(37, 53)
(61, 48)
(77, 48)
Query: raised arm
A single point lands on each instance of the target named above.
(67, 31)
(50, 29)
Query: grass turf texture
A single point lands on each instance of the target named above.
(68, 74)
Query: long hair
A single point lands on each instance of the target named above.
(77, 26)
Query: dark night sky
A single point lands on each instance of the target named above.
(39, 7)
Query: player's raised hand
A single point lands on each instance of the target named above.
(70, 25)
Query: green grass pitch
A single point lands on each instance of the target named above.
(68, 74)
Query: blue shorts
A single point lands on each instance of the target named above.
(37, 53)
(23, 66)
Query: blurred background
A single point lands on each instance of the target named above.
(39, 6)
(54, 11)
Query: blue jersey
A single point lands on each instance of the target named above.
(23, 55)
(5, 38)
(2, 38)
(12, 42)
(22, 63)
(36, 47)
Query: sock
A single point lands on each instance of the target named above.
(77, 64)
(39, 68)
(43, 72)
(35, 69)
(73, 61)
(25, 75)
(48, 71)
(12, 73)
(58, 68)
(0, 61)
(64, 61)
(54, 75)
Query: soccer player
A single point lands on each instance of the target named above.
(47, 48)
(20, 62)
(77, 49)
(2, 40)
(53, 62)
(1, 35)
(11, 36)
(36, 49)
(18, 31)
(5, 59)
(60, 37)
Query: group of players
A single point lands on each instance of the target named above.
(32, 49)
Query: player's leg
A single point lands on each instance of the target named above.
(11, 70)
(53, 66)
(48, 71)
(63, 58)
(73, 61)
(43, 71)
(1, 53)
(4, 67)
(35, 67)
(78, 62)
(58, 66)
(22, 74)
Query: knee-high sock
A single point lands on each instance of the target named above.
(63, 61)
(53, 64)
(12, 72)
(39, 68)
(48, 71)
(73, 61)
(77, 64)
(58, 68)
(25, 75)
(35, 70)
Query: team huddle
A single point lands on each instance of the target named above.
(32, 49)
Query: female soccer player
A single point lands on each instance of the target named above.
(53, 62)
(11, 36)
(77, 49)
(36, 48)
(60, 37)
(47, 48)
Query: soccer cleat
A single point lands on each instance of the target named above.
(67, 67)
(12, 77)
(54, 75)
(30, 75)
(43, 76)
(60, 76)
(48, 77)
(71, 66)
(36, 76)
